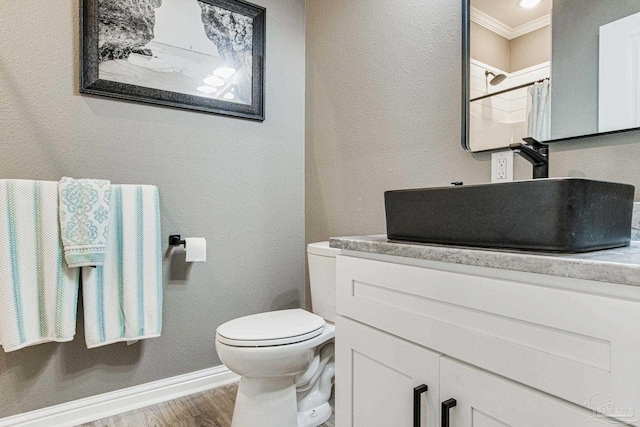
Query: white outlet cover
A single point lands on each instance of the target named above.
(500, 174)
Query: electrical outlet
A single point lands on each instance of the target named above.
(501, 172)
(502, 166)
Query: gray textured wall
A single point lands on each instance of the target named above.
(575, 34)
(383, 108)
(238, 183)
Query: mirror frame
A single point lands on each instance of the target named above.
(466, 91)
(466, 73)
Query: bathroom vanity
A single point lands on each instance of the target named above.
(498, 338)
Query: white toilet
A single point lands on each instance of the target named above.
(286, 358)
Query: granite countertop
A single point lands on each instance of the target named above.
(621, 265)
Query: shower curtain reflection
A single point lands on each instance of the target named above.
(539, 120)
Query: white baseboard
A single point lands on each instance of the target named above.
(124, 400)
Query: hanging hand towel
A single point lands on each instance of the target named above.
(123, 298)
(84, 219)
(38, 293)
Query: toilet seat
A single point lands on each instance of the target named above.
(270, 343)
(274, 328)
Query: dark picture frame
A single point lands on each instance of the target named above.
(91, 56)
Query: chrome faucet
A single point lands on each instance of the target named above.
(535, 153)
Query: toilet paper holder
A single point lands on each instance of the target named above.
(176, 240)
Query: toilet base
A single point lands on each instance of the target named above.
(315, 417)
(265, 402)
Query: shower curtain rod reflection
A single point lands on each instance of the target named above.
(507, 90)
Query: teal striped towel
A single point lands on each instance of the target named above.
(123, 298)
(84, 219)
(38, 293)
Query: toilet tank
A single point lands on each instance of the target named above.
(322, 278)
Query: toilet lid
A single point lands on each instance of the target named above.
(271, 328)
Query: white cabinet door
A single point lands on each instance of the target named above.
(376, 374)
(578, 345)
(486, 400)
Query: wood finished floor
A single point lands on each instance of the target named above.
(212, 408)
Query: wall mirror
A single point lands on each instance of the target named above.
(549, 69)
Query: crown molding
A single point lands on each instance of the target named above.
(504, 30)
(531, 26)
(490, 23)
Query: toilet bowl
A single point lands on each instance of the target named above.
(285, 358)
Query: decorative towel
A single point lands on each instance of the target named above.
(123, 298)
(84, 219)
(38, 293)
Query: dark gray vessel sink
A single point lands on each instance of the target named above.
(552, 215)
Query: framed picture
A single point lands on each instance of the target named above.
(205, 55)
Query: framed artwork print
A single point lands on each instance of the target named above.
(205, 55)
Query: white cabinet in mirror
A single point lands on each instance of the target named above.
(619, 74)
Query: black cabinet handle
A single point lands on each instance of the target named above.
(446, 405)
(417, 407)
